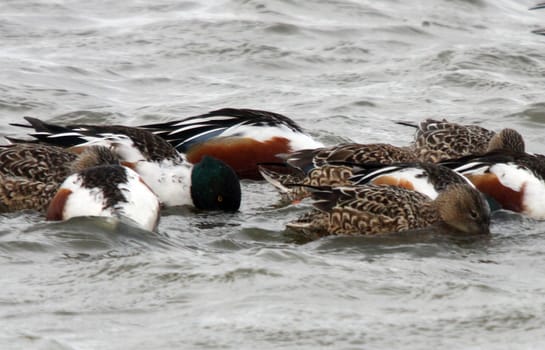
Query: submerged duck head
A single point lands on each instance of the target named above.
(464, 209)
(215, 185)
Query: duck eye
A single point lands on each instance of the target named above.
(473, 214)
(220, 198)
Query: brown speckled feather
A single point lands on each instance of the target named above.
(36, 162)
(329, 175)
(326, 175)
(380, 153)
(507, 140)
(47, 163)
(19, 193)
(437, 141)
(323, 166)
(31, 173)
(371, 209)
(440, 140)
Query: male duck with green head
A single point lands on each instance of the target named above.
(209, 184)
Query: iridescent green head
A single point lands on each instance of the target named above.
(215, 186)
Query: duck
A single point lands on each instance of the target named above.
(209, 184)
(427, 178)
(47, 163)
(30, 174)
(377, 153)
(377, 209)
(242, 138)
(440, 140)
(106, 191)
(515, 180)
(328, 166)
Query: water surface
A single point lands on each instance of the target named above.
(345, 70)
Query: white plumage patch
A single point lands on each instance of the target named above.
(518, 179)
(297, 140)
(521, 179)
(202, 121)
(122, 145)
(509, 174)
(141, 206)
(259, 133)
(83, 201)
(196, 136)
(170, 182)
(417, 177)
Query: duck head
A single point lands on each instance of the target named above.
(464, 209)
(215, 185)
(507, 139)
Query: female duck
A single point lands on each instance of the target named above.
(372, 210)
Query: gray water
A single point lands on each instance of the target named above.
(345, 70)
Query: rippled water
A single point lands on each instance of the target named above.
(345, 70)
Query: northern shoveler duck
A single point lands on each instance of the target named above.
(427, 178)
(378, 153)
(329, 166)
(210, 184)
(439, 140)
(516, 180)
(30, 174)
(375, 209)
(46, 163)
(106, 191)
(17, 193)
(424, 177)
(241, 138)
